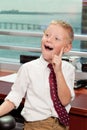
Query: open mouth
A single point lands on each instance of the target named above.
(48, 48)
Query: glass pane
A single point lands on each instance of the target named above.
(29, 16)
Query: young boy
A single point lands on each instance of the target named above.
(33, 81)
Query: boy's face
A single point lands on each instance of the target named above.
(54, 39)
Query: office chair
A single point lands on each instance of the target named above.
(7, 122)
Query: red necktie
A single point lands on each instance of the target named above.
(60, 109)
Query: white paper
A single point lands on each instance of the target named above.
(9, 78)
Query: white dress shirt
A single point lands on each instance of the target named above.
(32, 82)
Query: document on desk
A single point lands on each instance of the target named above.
(9, 78)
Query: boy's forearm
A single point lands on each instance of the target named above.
(6, 107)
(63, 90)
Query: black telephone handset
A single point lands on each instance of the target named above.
(81, 83)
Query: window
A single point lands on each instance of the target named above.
(34, 16)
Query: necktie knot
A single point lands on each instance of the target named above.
(50, 67)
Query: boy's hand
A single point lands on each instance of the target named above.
(57, 61)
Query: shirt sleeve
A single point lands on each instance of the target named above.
(18, 89)
(69, 75)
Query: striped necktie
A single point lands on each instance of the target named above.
(60, 109)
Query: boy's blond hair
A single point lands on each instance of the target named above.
(66, 26)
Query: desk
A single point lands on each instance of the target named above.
(2, 73)
(78, 112)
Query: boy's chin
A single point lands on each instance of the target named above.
(47, 58)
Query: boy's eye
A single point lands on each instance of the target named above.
(56, 38)
(46, 34)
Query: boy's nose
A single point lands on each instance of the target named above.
(50, 38)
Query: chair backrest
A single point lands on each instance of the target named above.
(26, 58)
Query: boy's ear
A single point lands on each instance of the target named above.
(67, 48)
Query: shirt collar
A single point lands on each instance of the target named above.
(43, 61)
